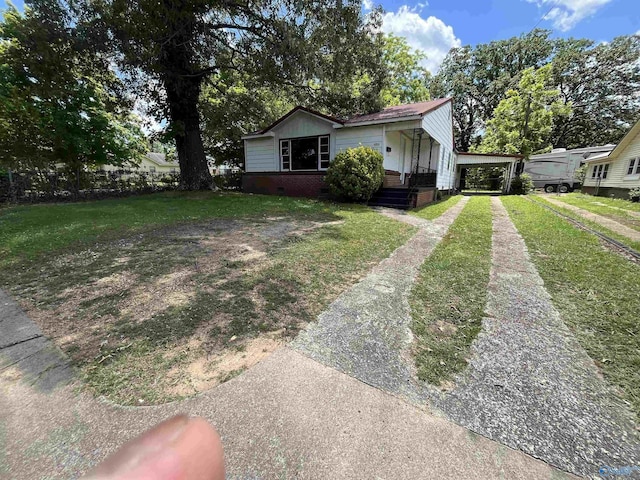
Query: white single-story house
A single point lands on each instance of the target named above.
(617, 172)
(291, 156)
(152, 162)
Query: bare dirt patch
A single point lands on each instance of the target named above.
(205, 371)
(190, 305)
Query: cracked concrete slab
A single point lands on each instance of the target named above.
(32, 357)
(289, 417)
(15, 325)
(529, 384)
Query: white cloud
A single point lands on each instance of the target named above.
(431, 35)
(367, 4)
(565, 14)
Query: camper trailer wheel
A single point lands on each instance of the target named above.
(549, 188)
(563, 188)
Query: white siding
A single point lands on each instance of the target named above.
(617, 176)
(263, 154)
(260, 155)
(439, 124)
(302, 124)
(446, 168)
(370, 136)
(393, 159)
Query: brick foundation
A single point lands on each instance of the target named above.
(423, 196)
(303, 184)
(607, 192)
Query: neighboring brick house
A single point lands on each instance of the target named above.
(616, 173)
(290, 156)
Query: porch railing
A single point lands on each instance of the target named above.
(423, 177)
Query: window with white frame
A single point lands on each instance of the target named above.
(600, 171)
(306, 153)
(634, 166)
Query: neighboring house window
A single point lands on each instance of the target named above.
(308, 153)
(152, 169)
(634, 166)
(600, 171)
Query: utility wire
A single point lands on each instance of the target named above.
(554, 4)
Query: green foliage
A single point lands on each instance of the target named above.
(236, 103)
(581, 173)
(485, 178)
(407, 79)
(449, 296)
(599, 81)
(634, 193)
(522, 184)
(478, 77)
(58, 103)
(329, 48)
(589, 285)
(522, 122)
(355, 174)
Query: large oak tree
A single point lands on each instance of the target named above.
(174, 46)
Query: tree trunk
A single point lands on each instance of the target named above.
(182, 96)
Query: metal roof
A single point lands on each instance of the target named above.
(399, 111)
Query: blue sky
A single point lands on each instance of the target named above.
(437, 25)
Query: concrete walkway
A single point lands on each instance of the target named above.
(366, 331)
(529, 384)
(612, 225)
(289, 417)
(25, 351)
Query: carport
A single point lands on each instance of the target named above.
(466, 161)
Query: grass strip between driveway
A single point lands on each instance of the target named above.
(595, 290)
(591, 224)
(434, 210)
(590, 204)
(610, 202)
(449, 297)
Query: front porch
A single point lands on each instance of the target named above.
(410, 157)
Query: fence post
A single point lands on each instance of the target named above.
(12, 189)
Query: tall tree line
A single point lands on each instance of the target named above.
(72, 71)
(598, 83)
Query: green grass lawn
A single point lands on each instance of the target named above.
(611, 202)
(145, 302)
(434, 210)
(29, 230)
(448, 299)
(596, 291)
(610, 210)
(593, 225)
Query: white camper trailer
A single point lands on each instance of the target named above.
(555, 171)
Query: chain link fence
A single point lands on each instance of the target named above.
(46, 186)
